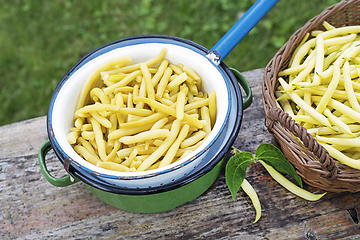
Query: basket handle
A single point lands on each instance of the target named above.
(326, 161)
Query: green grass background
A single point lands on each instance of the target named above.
(40, 40)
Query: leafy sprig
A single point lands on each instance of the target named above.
(273, 160)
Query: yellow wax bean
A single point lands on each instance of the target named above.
(131, 169)
(131, 158)
(170, 111)
(113, 120)
(308, 101)
(99, 139)
(302, 75)
(154, 166)
(311, 111)
(205, 115)
(349, 88)
(112, 78)
(293, 70)
(170, 154)
(112, 166)
(319, 60)
(285, 104)
(186, 153)
(79, 123)
(163, 82)
(351, 113)
(176, 69)
(326, 74)
(340, 31)
(343, 127)
(119, 102)
(212, 108)
(157, 125)
(131, 68)
(102, 120)
(142, 93)
(88, 135)
(175, 128)
(349, 142)
(191, 73)
(289, 185)
(135, 164)
(136, 112)
(74, 129)
(86, 145)
(93, 79)
(339, 40)
(147, 76)
(303, 118)
(303, 41)
(344, 135)
(249, 190)
(135, 93)
(98, 92)
(337, 49)
(129, 131)
(165, 101)
(124, 152)
(315, 33)
(180, 103)
(86, 154)
(130, 101)
(346, 119)
(334, 130)
(329, 60)
(197, 104)
(307, 95)
(95, 108)
(190, 95)
(116, 148)
(328, 26)
(160, 72)
(123, 82)
(341, 157)
(177, 81)
(144, 121)
(302, 52)
(193, 89)
(72, 137)
(193, 139)
(144, 136)
(181, 151)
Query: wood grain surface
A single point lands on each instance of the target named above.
(32, 208)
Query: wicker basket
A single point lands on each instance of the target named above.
(311, 160)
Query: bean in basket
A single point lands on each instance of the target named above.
(320, 89)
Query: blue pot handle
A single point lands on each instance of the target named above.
(58, 182)
(241, 28)
(245, 85)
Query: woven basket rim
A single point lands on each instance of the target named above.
(310, 159)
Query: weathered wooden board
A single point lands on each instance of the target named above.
(31, 208)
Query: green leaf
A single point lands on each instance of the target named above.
(235, 171)
(272, 156)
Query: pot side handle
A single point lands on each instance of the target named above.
(58, 182)
(245, 85)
